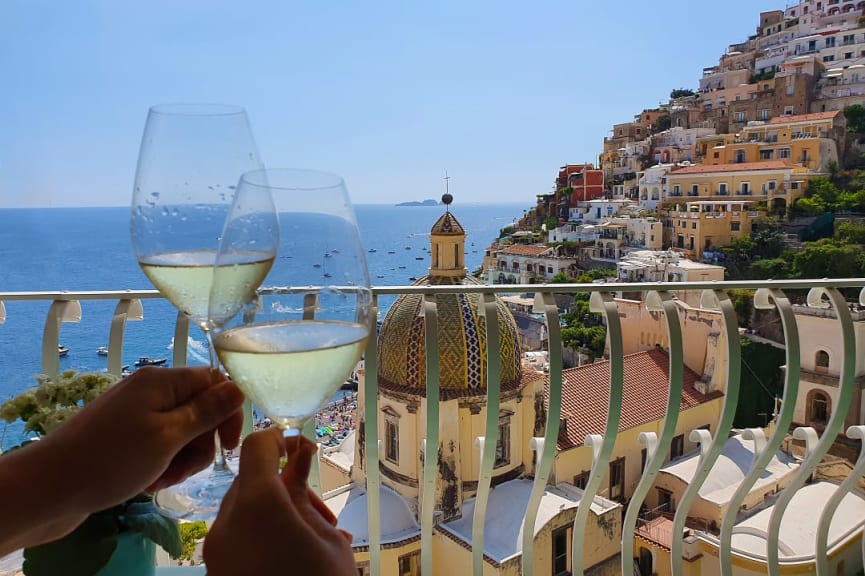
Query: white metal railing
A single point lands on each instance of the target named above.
(658, 297)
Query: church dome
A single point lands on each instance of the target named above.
(461, 330)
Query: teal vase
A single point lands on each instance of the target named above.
(135, 555)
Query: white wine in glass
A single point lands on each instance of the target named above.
(293, 344)
(189, 163)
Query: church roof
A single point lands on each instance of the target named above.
(447, 224)
(586, 391)
(461, 344)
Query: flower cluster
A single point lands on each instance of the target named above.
(51, 403)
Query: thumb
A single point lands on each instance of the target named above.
(294, 477)
(208, 409)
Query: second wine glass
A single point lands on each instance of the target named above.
(293, 344)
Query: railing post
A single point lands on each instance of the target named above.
(126, 310)
(372, 446)
(711, 449)
(846, 487)
(430, 463)
(660, 300)
(181, 340)
(764, 451)
(488, 310)
(546, 304)
(846, 387)
(60, 311)
(602, 447)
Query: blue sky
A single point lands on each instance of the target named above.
(388, 94)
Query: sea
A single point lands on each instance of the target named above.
(80, 249)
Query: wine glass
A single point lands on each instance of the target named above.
(292, 344)
(190, 160)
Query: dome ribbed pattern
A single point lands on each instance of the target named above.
(461, 343)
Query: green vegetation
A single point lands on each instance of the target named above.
(760, 77)
(664, 122)
(191, 533)
(766, 241)
(680, 93)
(855, 115)
(584, 330)
(842, 193)
(761, 382)
(842, 255)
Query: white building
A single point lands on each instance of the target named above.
(616, 237)
(665, 266)
(595, 211)
(528, 264)
(652, 183)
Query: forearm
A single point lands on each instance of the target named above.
(36, 506)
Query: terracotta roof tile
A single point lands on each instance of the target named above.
(524, 250)
(741, 167)
(585, 394)
(805, 117)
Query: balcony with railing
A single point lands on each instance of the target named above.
(517, 506)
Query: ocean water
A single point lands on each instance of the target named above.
(79, 249)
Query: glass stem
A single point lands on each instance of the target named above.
(219, 464)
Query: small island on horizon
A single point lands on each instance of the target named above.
(428, 202)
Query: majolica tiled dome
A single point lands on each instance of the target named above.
(461, 331)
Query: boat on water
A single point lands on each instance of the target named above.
(102, 351)
(372, 250)
(62, 350)
(391, 251)
(148, 361)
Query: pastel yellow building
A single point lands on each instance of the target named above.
(778, 182)
(813, 141)
(694, 228)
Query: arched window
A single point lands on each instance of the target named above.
(819, 407)
(821, 361)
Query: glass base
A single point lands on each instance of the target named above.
(196, 498)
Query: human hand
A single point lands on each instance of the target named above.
(151, 430)
(270, 522)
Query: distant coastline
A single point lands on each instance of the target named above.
(428, 202)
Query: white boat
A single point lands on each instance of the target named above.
(62, 350)
(148, 361)
(102, 351)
